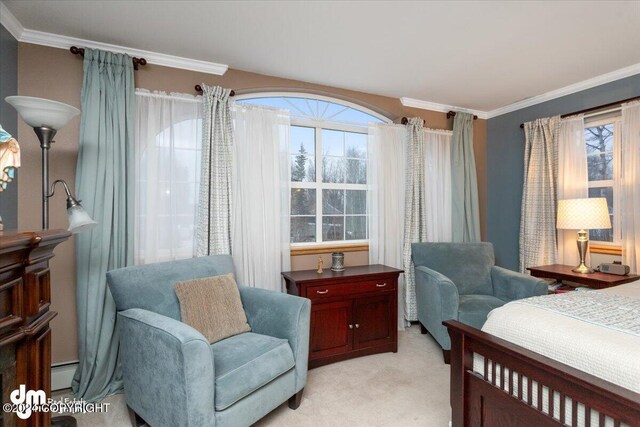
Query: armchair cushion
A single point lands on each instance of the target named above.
(212, 305)
(246, 362)
(468, 265)
(150, 286)
(473, 309)
(511, 285)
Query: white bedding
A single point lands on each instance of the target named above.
(600, 351)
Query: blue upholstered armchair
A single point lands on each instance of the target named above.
(460, 281)
(174, 377)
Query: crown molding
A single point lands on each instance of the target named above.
(65, 42)
(10, 22)
(443, 108)
(567, 90)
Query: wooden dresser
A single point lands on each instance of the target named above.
(353, 312)
(25, 299)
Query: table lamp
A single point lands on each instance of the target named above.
(582, 215)
(46, 117)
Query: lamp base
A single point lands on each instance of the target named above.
(582, 268)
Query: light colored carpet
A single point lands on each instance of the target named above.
(408, 388)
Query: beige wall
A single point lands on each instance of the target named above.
(57, 74)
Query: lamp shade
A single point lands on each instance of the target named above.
(39, 112)
(79, 219)
(583, 214)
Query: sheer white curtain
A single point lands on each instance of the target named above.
(572, 180)
(438, 191)
(167, 175)
(630, 185)
(386, 164)
(261, 196)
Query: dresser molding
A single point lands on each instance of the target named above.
(25, 314)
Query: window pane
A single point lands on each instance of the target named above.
(333, 169)
(600, 166)
(303, 229)
(303, 201)
(599, 139)
(303, 151)
(332, 202)
(332, 228)
(357, 202)
(603, 235)
(356, 228)
(332, 143)
(356, 171)
(356, 145)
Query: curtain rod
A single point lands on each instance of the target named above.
(453, 114)
(599, 107)
(404, 121)
(198, 89)
(136, 61)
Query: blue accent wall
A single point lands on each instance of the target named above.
(505, 160)
(9, 120)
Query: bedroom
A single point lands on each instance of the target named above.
(520, 62)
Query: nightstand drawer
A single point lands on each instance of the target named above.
(334, 290)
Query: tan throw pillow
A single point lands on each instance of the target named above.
(212, 305)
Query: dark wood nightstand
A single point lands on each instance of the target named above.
(596, 280)
(353, 313)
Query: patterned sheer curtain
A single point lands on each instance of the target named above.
(213, 232)
(167, 175)
(538, 244)
(630, 177)
(572, 180)
(415, 212)
(386, 164)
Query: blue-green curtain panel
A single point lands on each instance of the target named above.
(104, 183)
(465, 210)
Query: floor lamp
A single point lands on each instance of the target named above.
(46, 117)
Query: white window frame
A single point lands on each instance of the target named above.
(318, 185)
(616, 120)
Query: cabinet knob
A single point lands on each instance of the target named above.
(381, 285)
(323, 292)
(357, 326)
(350, 326)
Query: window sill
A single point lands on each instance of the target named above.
(599, 248)
(325, 249)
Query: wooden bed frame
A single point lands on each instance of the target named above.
(482, 400)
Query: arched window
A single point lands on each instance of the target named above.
(328, 166)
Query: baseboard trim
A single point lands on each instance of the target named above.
(62, 375)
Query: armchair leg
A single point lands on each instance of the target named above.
(446, 354)
(423, 330)
(135, 419)
(295, 400)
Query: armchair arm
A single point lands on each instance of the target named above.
(437, 300)
(282, 316)
(167, 368)
(510, 285)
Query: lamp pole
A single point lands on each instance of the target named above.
(45, 135)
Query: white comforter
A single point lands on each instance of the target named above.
(600, 351)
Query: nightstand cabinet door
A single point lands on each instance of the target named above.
(374, 320)
(330, 328)
(353, 313)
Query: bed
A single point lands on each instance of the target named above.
(543, 363)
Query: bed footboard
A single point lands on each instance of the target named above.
(513, 386)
